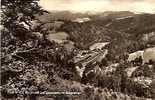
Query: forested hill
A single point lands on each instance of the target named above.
(103, 56)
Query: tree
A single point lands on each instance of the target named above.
(17, 16)
(16, 29)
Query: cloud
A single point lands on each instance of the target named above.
(99, 5)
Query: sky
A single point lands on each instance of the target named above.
(82, 6)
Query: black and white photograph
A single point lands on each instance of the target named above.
(77, 50)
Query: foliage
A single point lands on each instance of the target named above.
(36, 64)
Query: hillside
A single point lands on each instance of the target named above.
(104, 56)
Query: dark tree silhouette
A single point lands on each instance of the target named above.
(17, 16)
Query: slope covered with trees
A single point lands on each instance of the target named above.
(32, 62)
